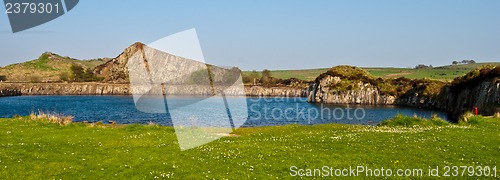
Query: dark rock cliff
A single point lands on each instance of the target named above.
(479, 88)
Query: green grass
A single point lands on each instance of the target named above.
(40, 150)
(440, 73)
(48, 67)
(405, 121)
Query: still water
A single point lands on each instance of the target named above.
(260, 111)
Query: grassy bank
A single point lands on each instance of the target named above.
(41, 150)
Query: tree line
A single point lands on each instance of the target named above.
(79, 74)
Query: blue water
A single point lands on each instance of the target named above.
(260, 111)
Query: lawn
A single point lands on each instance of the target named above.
(40, 150)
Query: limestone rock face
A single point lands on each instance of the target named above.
(116, 70)
(101, 89)
(484, 95)
(66, 88)
(168, 67)
(361, 93)
(9, 92)
(275, 91)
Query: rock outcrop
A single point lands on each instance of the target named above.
(9, 92)
(275, 91)
(485, 96)
(160, 65)
(364, 93)
(66, 88)
(101, 89)
(481, 91)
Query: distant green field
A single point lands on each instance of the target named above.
(440, 73)
(39, 150)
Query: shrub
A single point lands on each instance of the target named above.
(405, 121)
(252, 77)
(474, 77)
(470, 118)
(423, 66)
(267, 77)
(51, 118)
(80, 74)
(35, 79)
(201, 77)
(231, 76)
(65, 76)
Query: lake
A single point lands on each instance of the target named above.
(259, 111)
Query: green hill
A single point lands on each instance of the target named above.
(47, 68)
(439, 73)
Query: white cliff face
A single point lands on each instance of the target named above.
(362, 93)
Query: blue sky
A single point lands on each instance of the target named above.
(274, 34)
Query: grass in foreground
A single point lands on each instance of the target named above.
(41, 150)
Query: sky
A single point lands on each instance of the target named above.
(274, 34)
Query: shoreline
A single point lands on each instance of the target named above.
(93, 88)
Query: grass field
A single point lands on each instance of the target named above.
(439, 73)
(48, 67)
(40, 150)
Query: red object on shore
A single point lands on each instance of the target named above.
(475, 110)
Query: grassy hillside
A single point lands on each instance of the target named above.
(439, 73)
(40, 150)
(48, 67)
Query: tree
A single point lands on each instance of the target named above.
(65, 77)
(231, 76)
(423, 66)
(267, 77)
(80, 74)
(455, 63)
(253, 77)
(266, 73)
(3, 78)
(468, 61)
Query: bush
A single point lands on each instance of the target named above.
(51, 118)
(80, 74)
(3, 78)
(231, 76)
(470, 118)
(405, 121)
(252, 77)
(423, 66)
(35, 79)
(65, 76)
(201, 77)
(474, 77)
(267, 77)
